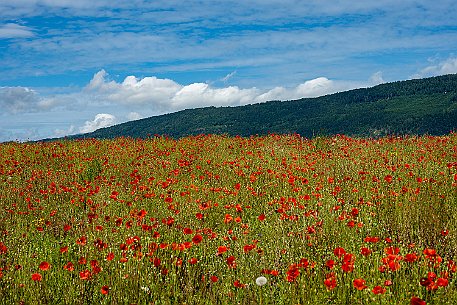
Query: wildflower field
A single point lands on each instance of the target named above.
(229, 220)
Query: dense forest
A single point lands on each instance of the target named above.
(419, 106)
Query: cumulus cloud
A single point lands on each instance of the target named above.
(12, 30)
(18, 99)
(101, 120)
(201, 94)
(132, 90)
(448, 66)
(165, 95)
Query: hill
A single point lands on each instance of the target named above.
(419, 106)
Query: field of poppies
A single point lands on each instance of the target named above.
(276, 219)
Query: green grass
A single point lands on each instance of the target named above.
(135, 198)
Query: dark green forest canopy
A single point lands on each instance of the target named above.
(419, 106)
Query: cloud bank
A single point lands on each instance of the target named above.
(19, 99)
(165, 95)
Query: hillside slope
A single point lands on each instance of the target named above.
(420, 106)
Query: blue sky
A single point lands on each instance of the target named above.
(73, 66)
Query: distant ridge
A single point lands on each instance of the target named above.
(418, 106)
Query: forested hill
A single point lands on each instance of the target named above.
(420, 106)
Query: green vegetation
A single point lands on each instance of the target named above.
(209, 219)
(421, 106)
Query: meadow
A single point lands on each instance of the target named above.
(275, 219)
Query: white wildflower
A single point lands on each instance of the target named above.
(261, 280)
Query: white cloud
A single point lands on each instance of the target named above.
(201, 95)
(311, 88)
(165, 95)
(316, 87)
(14, 100)
(376, 79)
(64, 132)
(18, 99)
(448, 66)
(133, 116)
(101, 120)
(133, 91)
(12, 30)
(134, 98)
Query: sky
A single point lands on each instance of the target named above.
(69, 67)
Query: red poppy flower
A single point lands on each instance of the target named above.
(359, 284)
(392, 250)
(261, 217)
(365, 251)
(63, 250)
(348, 262)
(156, 262)
(69, 266)
(371, 239)
(36, 277)
(330, 264)
(84, 275)
(193, 261)
(411, 257)
(82, 241)
(95, 267)
(3, 248)
(248, 248)
(388, 178)
(442, 282)
(44, 266)
(142, 213)
(187, 231)
(228, 218)
(429, 252)
(214, 278)
(110, 256)
(394, 265)
(231, 261)
(221, 249)
(330, 281)
(104, 290)
(197, 239)
(378, 290)
(292, 273)
(388, 283)
(339, 252)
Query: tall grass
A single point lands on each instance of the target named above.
(147, 221)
